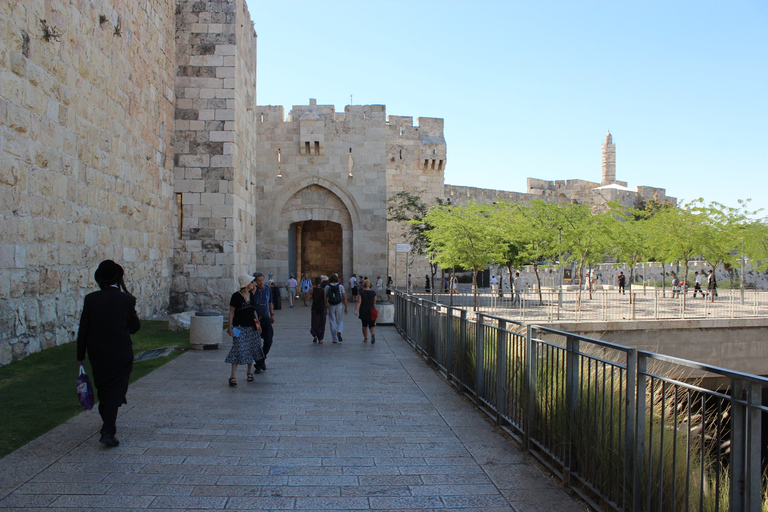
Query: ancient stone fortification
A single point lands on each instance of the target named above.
(214, 152)
(323, 178)
(107, 153)
(598, 195)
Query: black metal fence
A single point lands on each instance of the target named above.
(624, 428)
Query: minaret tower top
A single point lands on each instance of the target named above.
(609, 160)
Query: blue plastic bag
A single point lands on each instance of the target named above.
(84, 390)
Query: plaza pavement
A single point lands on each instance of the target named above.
(346, 426)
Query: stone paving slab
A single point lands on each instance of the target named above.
(346, 426)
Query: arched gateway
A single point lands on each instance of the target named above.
(312, 231)
(319, 232)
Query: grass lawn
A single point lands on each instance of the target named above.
(38, 393)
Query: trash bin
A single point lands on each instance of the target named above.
(205, 330)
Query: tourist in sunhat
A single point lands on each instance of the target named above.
(243, 327)
(106, 324)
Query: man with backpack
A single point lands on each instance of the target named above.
(336, 302)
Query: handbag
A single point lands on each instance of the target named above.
(84, 390)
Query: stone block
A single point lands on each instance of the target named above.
(179, 321)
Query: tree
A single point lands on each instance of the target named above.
(722, 230)
(585, 236)
(631, 238)
(678, 234)
(537, 233)
(464, 236)
(756, 243)
(409, 210)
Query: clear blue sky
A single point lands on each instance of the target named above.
(530, 88)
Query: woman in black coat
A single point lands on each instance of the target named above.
(106, 324)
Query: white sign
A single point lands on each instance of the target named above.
(404, 247)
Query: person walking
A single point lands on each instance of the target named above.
(697, 286)
(379, 287)
(243, 327)
(675, 285)
(712, 286)
(518, 286)
(336, 303)
(427, 283)
(353, 287)
(106, 324)
(622, 280)
(291, 286)
(317, 329)
(363, 309)
(306, 286)
(494, 285)
(265, 312)
(389, 288)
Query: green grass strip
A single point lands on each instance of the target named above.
(38, 392)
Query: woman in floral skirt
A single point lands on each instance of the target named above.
(244, 328)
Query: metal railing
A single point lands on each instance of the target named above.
(626, 429)
(609, 305)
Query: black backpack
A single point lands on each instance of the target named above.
(334, 294)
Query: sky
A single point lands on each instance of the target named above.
(530, 88)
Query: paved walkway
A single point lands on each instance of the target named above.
(345, 426)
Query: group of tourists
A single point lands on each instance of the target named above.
(109, 318)
(680, 287)
(329, 300)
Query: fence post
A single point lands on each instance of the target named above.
(501, 369)
(571, 405)
(656, 307)
(637, 462)
(738, 475)
(479, 357)
(754, 444)
(530, 380)
(630, 400)
(449, 338)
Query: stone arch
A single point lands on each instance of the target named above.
(305, 204)
(291, 189)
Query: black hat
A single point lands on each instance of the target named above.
(108, 273)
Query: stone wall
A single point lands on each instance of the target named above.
(215, 141)
(303, 174)
(86, 124)
(416, 160)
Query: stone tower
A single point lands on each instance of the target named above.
(609, 160)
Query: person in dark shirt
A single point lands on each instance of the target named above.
(264, 303)
(317, 329)
(243, 327)
(106, 324)
(363, 311)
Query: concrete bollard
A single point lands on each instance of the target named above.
(205, 331)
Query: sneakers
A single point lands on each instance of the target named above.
(340, 339)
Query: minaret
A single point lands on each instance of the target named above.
(609, 160)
